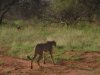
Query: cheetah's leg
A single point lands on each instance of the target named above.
(44, 58)
(40, 57)
(32, 60)
(52, 58)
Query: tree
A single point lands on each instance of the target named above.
(91, 7)
(5, 6)
(25, 9)
(72, 11)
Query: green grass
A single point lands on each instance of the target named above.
(22, 43)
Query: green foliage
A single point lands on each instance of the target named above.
(59, 5)
(67, 11)
(21, 43)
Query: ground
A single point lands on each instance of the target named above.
(89, 64)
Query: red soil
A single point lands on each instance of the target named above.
(90, 65)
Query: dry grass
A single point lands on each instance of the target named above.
(21, 43)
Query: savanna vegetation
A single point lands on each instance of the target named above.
(73, 24)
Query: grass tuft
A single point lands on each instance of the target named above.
(22, 43)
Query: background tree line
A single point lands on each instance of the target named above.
(67, 11)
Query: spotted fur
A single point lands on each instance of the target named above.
(40, 49)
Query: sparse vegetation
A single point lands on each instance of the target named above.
(22, 43)
(73, 24)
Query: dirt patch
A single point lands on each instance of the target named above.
(3, 49)
(90, 65)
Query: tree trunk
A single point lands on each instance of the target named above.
(6, 10)
(3, 14)
(0, 20)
